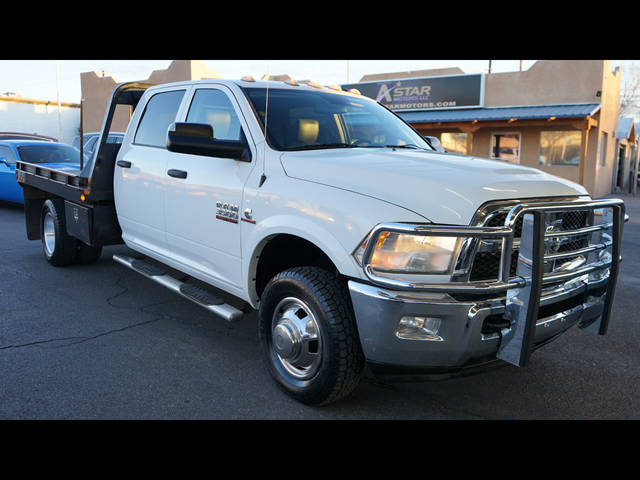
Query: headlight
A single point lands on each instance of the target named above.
(408, 253)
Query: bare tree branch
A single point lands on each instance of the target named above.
(630, 91)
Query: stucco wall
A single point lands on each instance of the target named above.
(39, 118)
(546, 82)
(96, 91)
(608, 122)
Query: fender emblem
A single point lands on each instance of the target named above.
(227, 212)
(248, 216)
(553, 244)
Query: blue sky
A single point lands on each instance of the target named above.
(37, 78)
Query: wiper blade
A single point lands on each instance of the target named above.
(322, 146)
(410, 146)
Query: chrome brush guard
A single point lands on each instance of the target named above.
(598, 265)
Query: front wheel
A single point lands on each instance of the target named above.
(308, 335)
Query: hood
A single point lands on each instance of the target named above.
(443, 188)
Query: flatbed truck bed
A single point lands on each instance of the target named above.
(87, 192)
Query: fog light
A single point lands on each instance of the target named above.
(419, 328)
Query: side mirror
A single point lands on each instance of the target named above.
(4, 160)
(197, 139)
(435, 143)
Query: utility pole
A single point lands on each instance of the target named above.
(489, 66)
(348, 71)
(520, 65)
(58, 93)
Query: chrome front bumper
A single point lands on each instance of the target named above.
(461, 341)
(530, 308)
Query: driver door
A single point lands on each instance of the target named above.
(203, 203)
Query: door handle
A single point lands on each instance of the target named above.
(177, 173)
(124, 164)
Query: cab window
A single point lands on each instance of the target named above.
(159, 113)
(213, 107)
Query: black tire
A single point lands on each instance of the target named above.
(63, 250)
(88, 254)
(341, 362)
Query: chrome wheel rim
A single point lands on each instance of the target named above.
(295, 338)
(49, 232)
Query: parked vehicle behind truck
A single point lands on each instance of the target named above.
(357, 242)
(51, 154)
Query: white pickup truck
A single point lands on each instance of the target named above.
(357, 242)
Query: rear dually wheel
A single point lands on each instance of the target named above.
(58, 246)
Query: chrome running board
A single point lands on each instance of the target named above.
(198, 295)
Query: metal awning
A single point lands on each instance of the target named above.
(626, 129)
(524, 112)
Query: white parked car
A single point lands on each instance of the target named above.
(355, 240)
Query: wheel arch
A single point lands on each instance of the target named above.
(306, 241)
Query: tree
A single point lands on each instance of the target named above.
(630, 92)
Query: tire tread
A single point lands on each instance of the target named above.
(332, 296)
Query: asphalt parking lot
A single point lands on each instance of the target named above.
(102, 342)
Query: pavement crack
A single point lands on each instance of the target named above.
(80, 339)
(116, 295)
(74, 340)
(38, 342)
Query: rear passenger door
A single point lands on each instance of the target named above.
(141, 172)
(203, 210)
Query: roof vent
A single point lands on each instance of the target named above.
(311, 83)
(277, 78)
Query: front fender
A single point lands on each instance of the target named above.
(258, 235)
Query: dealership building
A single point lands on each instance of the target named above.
(558, 116)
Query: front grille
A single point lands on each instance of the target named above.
(486, 265)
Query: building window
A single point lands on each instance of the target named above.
(454, 142)
(506, 147)
(560, 147)
(602, 149)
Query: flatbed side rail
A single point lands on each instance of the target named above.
(63, 184)
(41, 170)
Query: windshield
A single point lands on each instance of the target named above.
(307, 120)
(49, 154)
